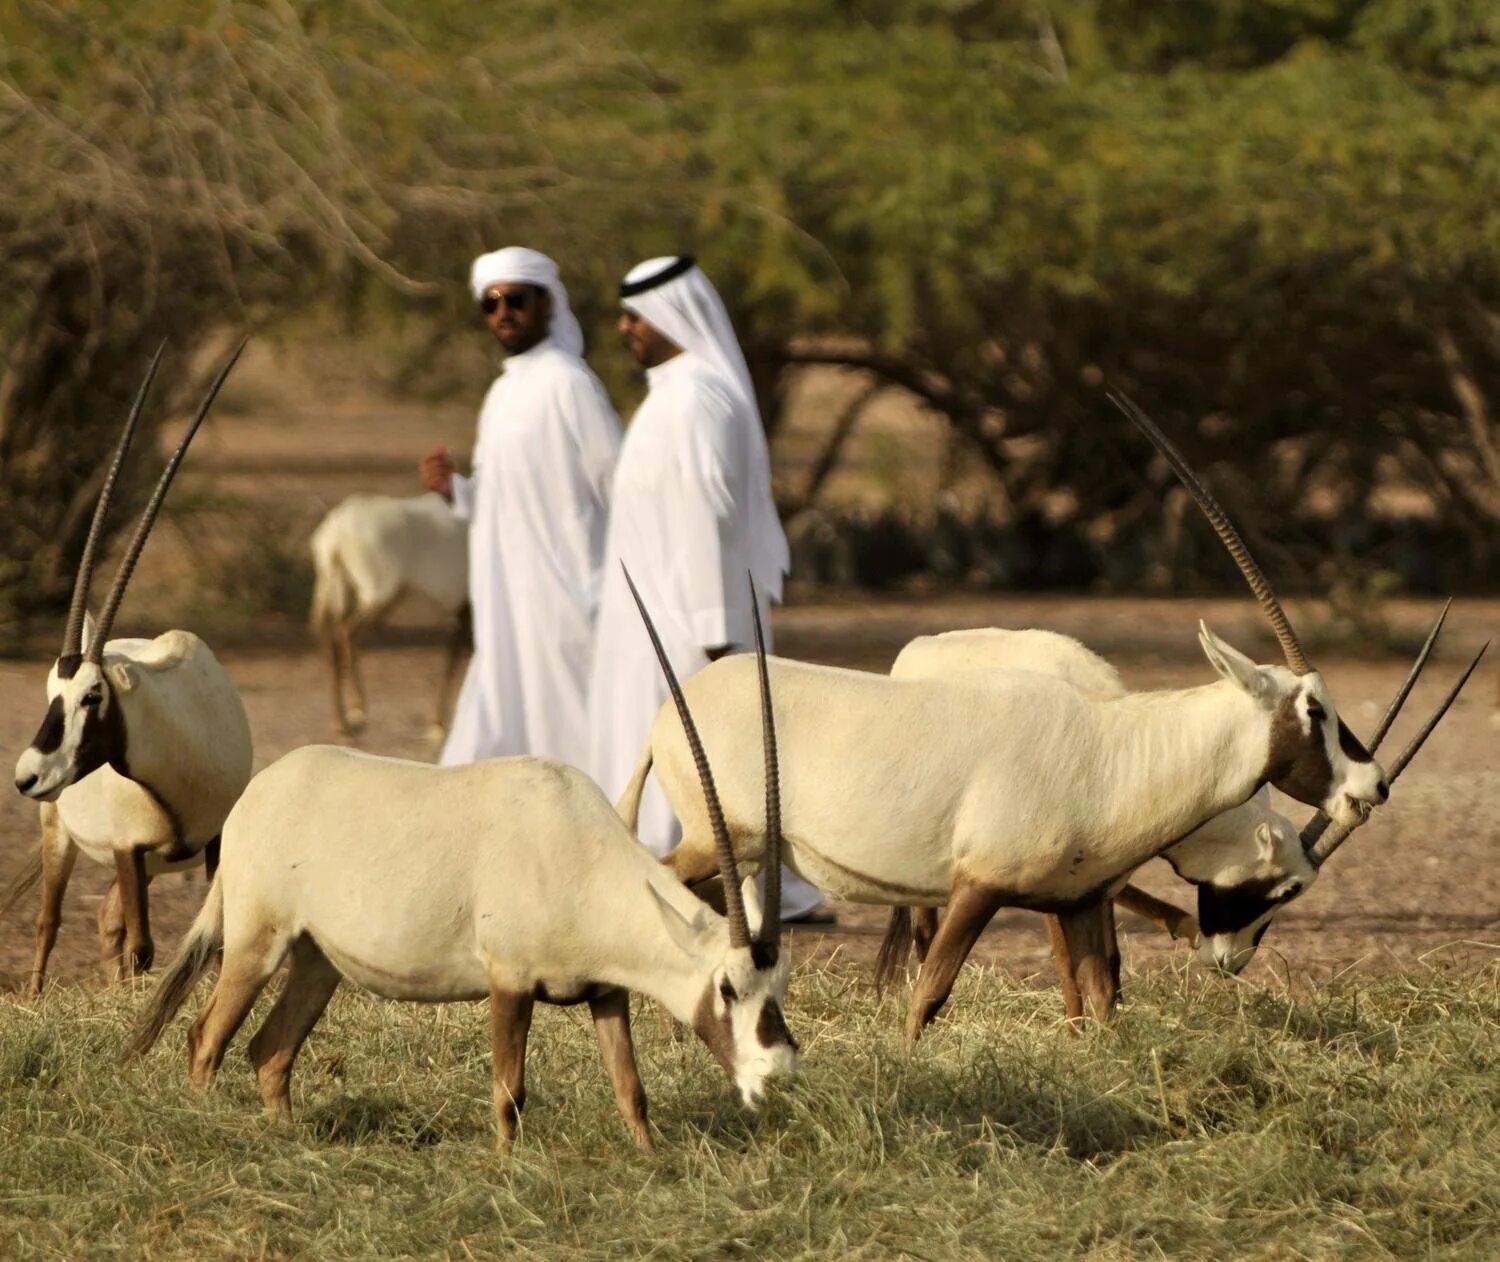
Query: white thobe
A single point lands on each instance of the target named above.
(688, 492)
(537, 508)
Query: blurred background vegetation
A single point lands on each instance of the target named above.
(1274, 222)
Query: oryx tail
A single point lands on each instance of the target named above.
(194, 957)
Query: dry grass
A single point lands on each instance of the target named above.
(1214, 1120)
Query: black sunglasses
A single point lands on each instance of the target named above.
(492, 303)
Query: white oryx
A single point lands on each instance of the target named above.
(368, 553)
(510, 877)
(1027, 792)
(1246, 863)
(144, 748)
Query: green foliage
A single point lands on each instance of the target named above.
(1259, 213)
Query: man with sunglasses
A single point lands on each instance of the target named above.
(536, 501)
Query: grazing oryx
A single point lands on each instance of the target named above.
(369, 552)
(144, 748)
(512, 878)
(1247, 863)
(1027, 792)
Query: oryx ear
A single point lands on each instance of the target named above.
(88, 632)
(121, 676)
(1235, 666)
(1265, 840)
(687, 934)
(754, 912)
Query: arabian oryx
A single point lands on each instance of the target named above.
(1246, 863)
(143, 750)
(368, 553)
(1026, 793)
(512, 878)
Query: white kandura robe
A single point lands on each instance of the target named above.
(537, 508)
(683, 511)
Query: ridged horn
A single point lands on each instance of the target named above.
(1318, 824)
(148, 515)
(1291, 649)
(734, 903)
(73, 631)
(770, 925)
(1324, 848)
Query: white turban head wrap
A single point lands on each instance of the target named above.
(516, 265)
(680, 302)
(676, 298)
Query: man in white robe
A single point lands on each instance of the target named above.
(692, 516)
(536, 502)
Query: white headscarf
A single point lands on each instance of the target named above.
(687, 309)
(684, 307)
(516, 265)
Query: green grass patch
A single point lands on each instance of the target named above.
(1213, 1120)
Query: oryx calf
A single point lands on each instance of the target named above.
(1027, 792)
(144, 748)
(368, 553)
(512, 878)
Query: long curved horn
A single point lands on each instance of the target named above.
(734, 903)
(770, 925)
(1318, 824)
(1296, 660)
(1319, 854)
(73, 631)
(148, 515)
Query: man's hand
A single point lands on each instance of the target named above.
(437, 470)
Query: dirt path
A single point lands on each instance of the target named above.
(1421, 882)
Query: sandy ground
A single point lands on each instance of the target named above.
(1419, 884)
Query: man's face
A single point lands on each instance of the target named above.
(645, 341)
(518, 315)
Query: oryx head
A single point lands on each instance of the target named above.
(1312, 755)
(84, 727)
(1246, 863)
(739, 1013)
(1251, 862)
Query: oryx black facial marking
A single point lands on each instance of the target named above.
(1297, 760)
(49, 736)
(1223, 911)
(770, 1028)
(1353, 748)
(103, 739)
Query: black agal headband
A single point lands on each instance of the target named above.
(674, 269)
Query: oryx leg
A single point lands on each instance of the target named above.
(246, 969)
(970, 907)
(510, 1023)
(611, 1013)
(1111, 944)
(58, 856)
(334, 642)
(692, 863)
(924, 924)
(134, 885)
(111, 931)
(1083, 928)
(459, 639)
(1072, 1000)
(310, 983)
(1174, 920)
(352, 719)
(347, 631)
